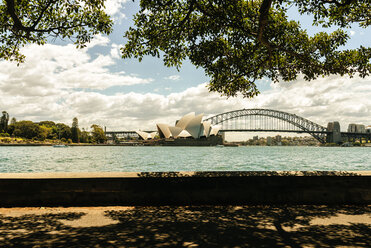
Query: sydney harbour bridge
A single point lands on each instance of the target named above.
(268, 120)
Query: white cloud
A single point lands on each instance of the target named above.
(40, 88)
(114, 7)
(44, 88)
(323, 100)
(115, 51)
(173, 77)
(99, 40)
(50, 68)
(352, 32)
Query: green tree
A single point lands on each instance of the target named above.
(98, 134)
(4, 122)
(13, 121)
(47, 123)
(238, 42)
(75, 131)
(27, 129)
(11, 128)
(62, 131)
(115, 139)
(34, 21)
(85, 137)
(48, 128)
(44, 132)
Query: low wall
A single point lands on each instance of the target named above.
(184, 188)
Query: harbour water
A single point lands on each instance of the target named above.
(134, 159)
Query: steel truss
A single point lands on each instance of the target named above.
(317, 131)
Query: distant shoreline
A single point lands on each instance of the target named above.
(36, 144)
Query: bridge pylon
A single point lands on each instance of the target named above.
(334, 134)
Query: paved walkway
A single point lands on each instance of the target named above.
(205, 226)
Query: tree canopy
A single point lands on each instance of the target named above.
(4, 122)
(238, 42)
(75, 131)
(34, 21)
(98, 134)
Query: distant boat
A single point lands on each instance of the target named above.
(60, 146)
(219, 146)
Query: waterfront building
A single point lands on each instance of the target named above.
(189, 126)
(356, 128)
(352, 128)
(360, 128)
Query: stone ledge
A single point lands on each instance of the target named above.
(184, 188)
(47, 175)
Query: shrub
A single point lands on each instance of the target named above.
(357, 143)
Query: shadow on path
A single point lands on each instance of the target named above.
(202, 226)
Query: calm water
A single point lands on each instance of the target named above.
(73, 159)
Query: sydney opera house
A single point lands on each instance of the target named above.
(190, 127)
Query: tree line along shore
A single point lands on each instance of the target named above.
(47, 132)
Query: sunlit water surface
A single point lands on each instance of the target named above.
(121, 158)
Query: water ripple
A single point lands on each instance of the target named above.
(75, 159)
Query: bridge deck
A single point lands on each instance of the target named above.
(257, 130)
(271, 130)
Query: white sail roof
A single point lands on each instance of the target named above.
(188, 125)
(153, 134)
(143, 135)
(194, 126)
(215, 130)
(207, 128)
(175, 131)
(184, 134)
(183, 122)
(163, 130)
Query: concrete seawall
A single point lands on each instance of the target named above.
(184, 188)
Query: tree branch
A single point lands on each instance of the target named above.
(263, 18)
(17, 23)
(42, 13)
(190, 10)
(18, 26)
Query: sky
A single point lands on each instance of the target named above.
(59, 82)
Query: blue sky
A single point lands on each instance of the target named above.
(59, 82)
(165, 79)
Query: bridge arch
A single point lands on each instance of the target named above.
(307, 126)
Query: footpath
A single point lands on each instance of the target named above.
(187, 226)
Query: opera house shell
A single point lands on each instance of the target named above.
(188, 126)
(145, 135)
